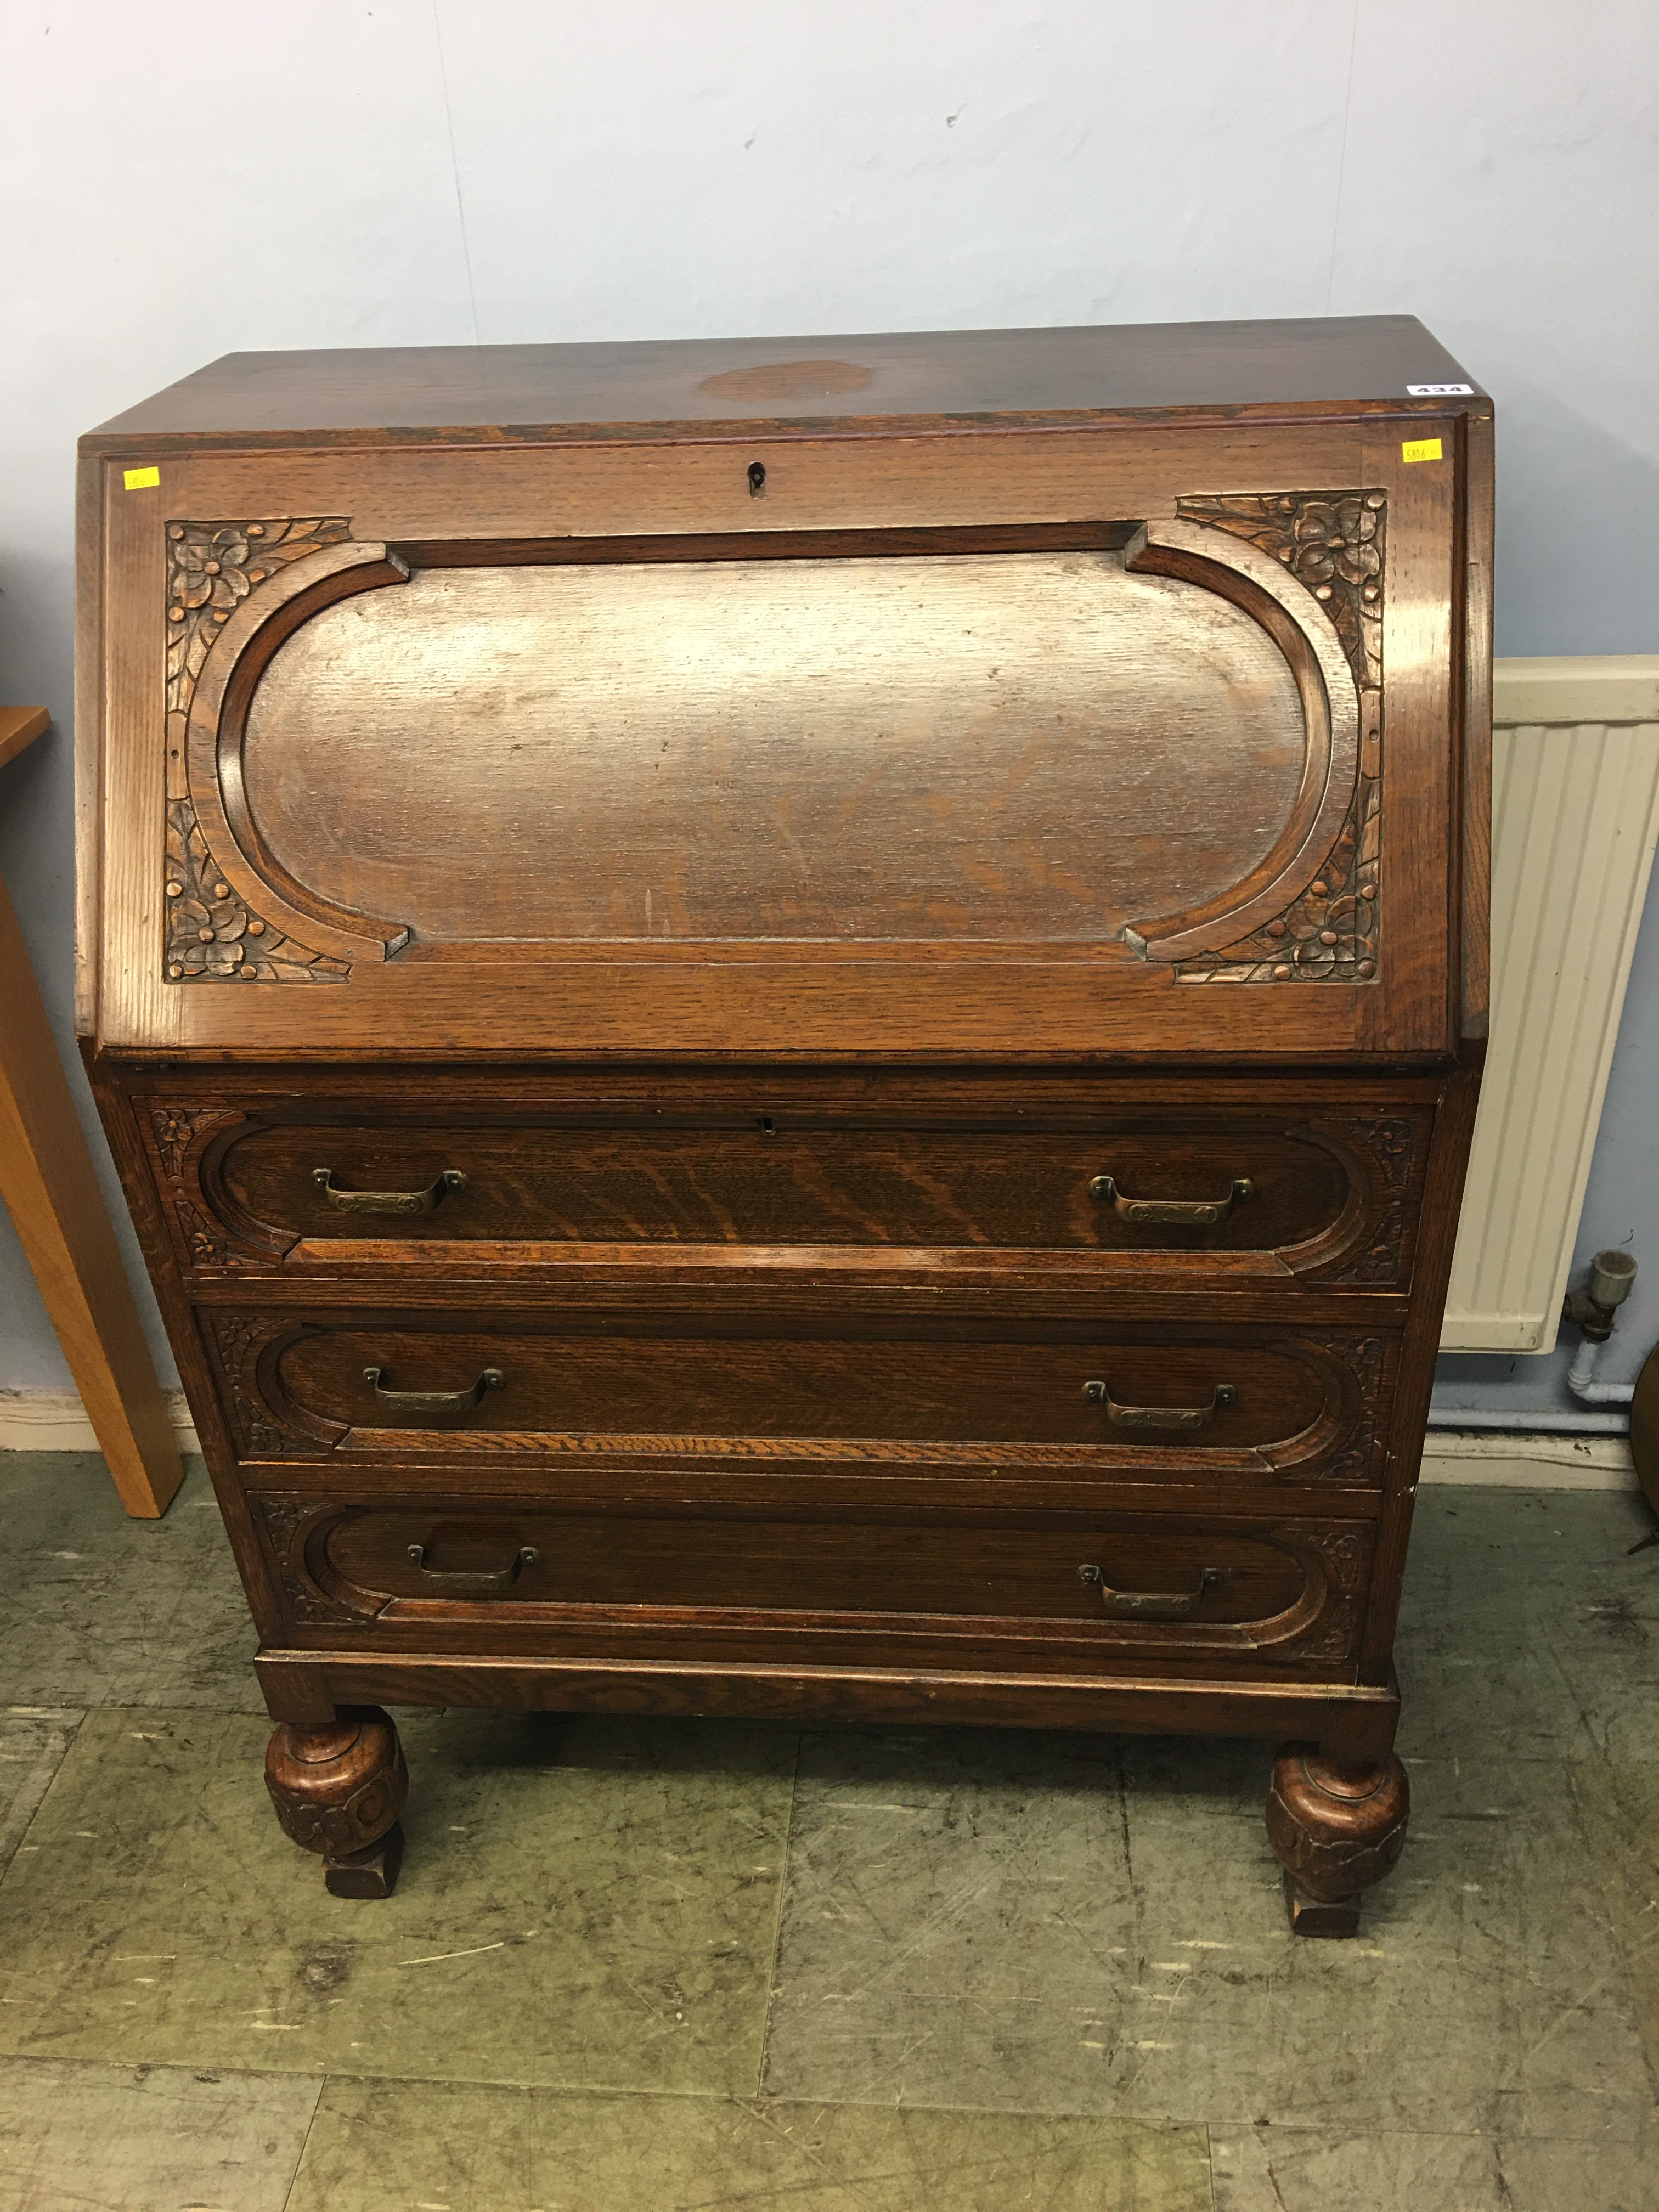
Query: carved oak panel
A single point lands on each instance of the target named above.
(1277, 1589)
(1134, 1403)
(910, 748)
(1331, 1199)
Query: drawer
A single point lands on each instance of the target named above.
(1126, 1581)
(1238, 1402)
(1217, 1189)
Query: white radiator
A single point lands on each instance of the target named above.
(1574, 819)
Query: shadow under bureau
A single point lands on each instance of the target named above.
(793, 1025)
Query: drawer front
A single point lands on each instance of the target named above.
(1125, 1581)
(1331, 1197)
(1243, 1402)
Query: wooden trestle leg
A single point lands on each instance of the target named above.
(1335, 1830)
(339, 1789)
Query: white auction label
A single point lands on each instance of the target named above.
(1441, 391)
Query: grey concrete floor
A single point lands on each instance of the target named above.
(633, 1966)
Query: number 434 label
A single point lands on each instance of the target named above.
(1441, 391)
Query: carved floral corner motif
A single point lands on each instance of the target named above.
(1377, 1262)
(176, 1128)
(232, 1338)
(209, 934)
(212, 567)
(1334, 543)
(1390, 1142)
(1364, 1359)
(1390, 1139)
(284, 1518)
(209, 1245)
(1344, 1555)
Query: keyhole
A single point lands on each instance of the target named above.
(756, 479)
(767, 1126)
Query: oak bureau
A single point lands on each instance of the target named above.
(792, 1024)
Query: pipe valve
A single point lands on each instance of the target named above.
(1611, 1274)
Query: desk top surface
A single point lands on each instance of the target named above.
(949, 378)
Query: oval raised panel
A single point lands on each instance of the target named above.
(1016, 747)
(678, 1391)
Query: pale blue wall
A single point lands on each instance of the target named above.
(179, 184)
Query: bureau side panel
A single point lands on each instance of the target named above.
(116, 1111)
(1449, 1163)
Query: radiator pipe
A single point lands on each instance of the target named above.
(1595, 1311)
(1581, 1379)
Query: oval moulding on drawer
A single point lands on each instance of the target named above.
(1132, 1581)
(1331, 1197)
(1251, 1402)
(944, 748)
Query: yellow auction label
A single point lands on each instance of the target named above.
(147, 479)
(1416, 449)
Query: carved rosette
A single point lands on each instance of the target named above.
(1388, 1140)
(1333, 542)
(209, 1245)
(176, 1126)
(211, 935)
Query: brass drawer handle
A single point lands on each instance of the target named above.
(470, 1585)
(435, 1401)
(1159, 1417)
(403, 1202)
(1180, 1213)
(1151, 1605)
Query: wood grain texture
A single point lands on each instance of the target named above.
(1024, 998)
(502, 1578)
(688, 1307)
(1330, 1196)
(267, 398)
(1443, 1200)
(869, 749)
(51, 1191)
(1336, 1830)
(90, 732)
(1351, 1723)
(1476, 667)
(300, 1384)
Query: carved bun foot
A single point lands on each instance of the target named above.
(1335, 1830)
(339, 1791)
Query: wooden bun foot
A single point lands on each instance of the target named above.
(339, 1791)
(1335, 1830)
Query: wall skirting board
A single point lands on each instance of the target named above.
(51, 1420)
(1533, 1461)
(54, 1420)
